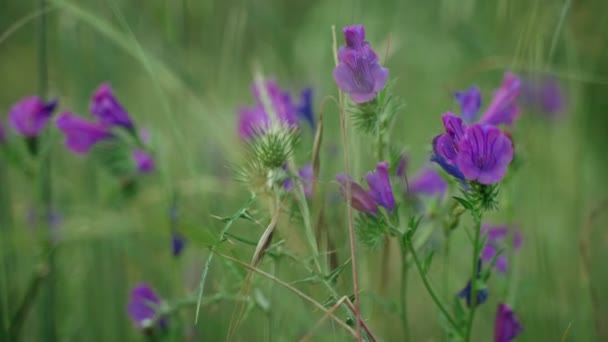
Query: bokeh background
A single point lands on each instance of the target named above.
(183, 68)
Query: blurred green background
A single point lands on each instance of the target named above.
(183, 68)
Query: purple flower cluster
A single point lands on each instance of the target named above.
(496, 238)
(30, 115)
(81, 135)
(306, 176)
(143, 307)
(256, 119)
(359, 72)
(506, 325)
(502, 110)
(478, 152)
(380, 192)
(543, 94)
(467, 291)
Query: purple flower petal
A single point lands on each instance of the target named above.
(143, 161)
(428, 182)
(360, 199)
(402, 165)
(141, 306)
(354, 36)
(106, 107)
(484, 154)
(506, 325)
(280, 100)
(177, 243)
(470, 102)
(251, 121)
(503, 109)
(80, 134)
(305, 110)
(30, 115)
(496, 238)
(380, 189)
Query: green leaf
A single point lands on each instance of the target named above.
(426, 264)
(466, 204)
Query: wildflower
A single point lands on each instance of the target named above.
(29, 116)
(402, 165)
(543, 94)
(304, 109)
(503, 109)
(255, 119)
(428, 182)
(80, 134)
(380, 186)
(143, 161)
(359, 198)
(482, 294)
(143, 307)
(496, 237)
(106, 107)
(484, 153)
(445, 146)
(506, 325)
(470, 102)
(177, 242)
(358, 72)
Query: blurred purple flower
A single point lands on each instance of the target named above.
(307, 177)
(503, 109)
(360, 199)
(380, 189)
(470, 102)
(177, 243)
(484, 153)
(106, 107)
(143, 305)
(428, 182)
(496, 239)
(506, 325)
(305, 110)
(402, 165)
(80, 134)
(30, 115)
(358, 72)
(255, 119)
(143, 160)
(466, 292)
(544, 95)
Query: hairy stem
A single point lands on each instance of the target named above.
(430, 290)
(477, 215)
(403, 294)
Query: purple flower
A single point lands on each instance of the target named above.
(359, 198)
(402, 165)
(305, 111)
(177, 243)
(143, 305)
(143, 161)
(280, 101)
(29, 116)
(306, 174)
(506, 325)
(80, 134)
(484, 153)
(445, 146)
(470, 102)
(503, 109)
(544, 94)
(496, 239)
(358, 72)
(380, 189)
(428, 182)
(107, 108)
(466, 292)
(255, 119)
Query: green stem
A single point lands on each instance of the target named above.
(430, 290)
(477, 219)
(403, 293)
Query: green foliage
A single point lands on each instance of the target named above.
(371, 230)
